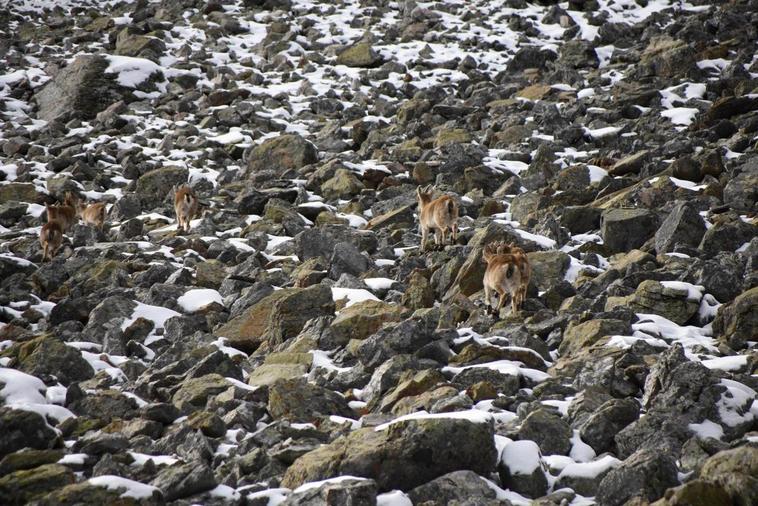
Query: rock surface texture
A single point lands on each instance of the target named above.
(295, 346)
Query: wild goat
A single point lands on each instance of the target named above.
(92, 214)
(439, 215)
(50, 237)
(508, 272)
(185, 206)
(64, 214)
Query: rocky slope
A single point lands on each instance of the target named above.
(295, 347)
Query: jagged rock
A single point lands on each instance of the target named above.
(602, 426)
(646, 474)
(456, 486)
(51, 357)
(683, 225)
(741, 191)
(90, 493)
(346, 258)
(183, 480)
(736, 322)
(522, 469)
(298, 401)
(548, 430)
(17, 192)
(406, 337)
(404, 455)
(277, 317)
(25, 429)
(82, 90)
(22, 487)
(626, 229)
(361, 320)
(282, 153)
(583, 335)
(359, 55)
(631, 164)
(28, 459)
(419, 293)
(344, 185)
(193, 393)
(350, 491)
(548, 267)
(675, 303)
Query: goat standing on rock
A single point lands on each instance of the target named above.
(439, 215)
(508, 272)
(185, 206)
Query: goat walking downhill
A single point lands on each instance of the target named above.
(92, 214)
(64, 214)
(507, 272)
(51, 238)
(185, 206)
(439, 215)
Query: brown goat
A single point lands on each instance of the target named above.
(51, 238)
(185, 206)
(508, 272)
(439, 215)
(92, 214)
(64, 214)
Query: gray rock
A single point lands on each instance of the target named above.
(626, 229)
(183, 480)
(299, 401)
(403, 456)
(25, 429)
(407, 337)
(350, 492)
(52, 357)
(683, 225)
(741, 192)
(346, 258)
(81, 90)
(522, 470)
(602, 426)
(551, 433)
(646, 474)
(455, 486)
(736, 323)
(282, 153)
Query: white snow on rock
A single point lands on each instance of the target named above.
(590, 469)
(472, 415)
(522, 457)
(156, 314)
(393, 498)
(132, 71)
(353, 295)
(707, 429)
(737, 404)
(26, 392)
(194, 300)
(131, 488)
(683, 116)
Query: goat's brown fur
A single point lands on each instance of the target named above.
(185, 206)
(64, 214)
(51, 238)
(92, 214)
(439, 215)
(507, 272)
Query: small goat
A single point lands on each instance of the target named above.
(185, 206)
(50, 237)
(92, 214)
(64, 214)
(439, 215)
(508, 272)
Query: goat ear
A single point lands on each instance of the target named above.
(418, 191)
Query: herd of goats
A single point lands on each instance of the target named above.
(507, 272)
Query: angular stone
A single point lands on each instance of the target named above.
(683, 225)
(626, 229)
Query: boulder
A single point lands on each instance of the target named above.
(52, 358)
(349, 491)
(299, 401)
(645, 475)
(522, 469)
(359, 55)
(626, 229)
(23, 487)
(457, 486)
(403, 455)
(183, 480)
(683, 225)
(282, 153)
(676, 303)
(82, 89)
(25, 429)
(551, 433)
(548, 267)
(736, 322)
(277, 317)
(361, 320)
